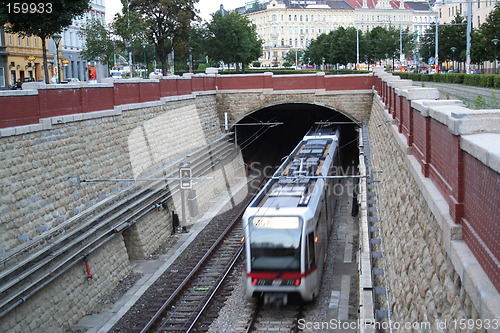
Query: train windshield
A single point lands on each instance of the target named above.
(275, 243)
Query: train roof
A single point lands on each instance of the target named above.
(293, 183)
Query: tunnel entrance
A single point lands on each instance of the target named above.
(267, 145)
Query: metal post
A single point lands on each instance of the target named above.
(357, 47)
(183, 204)
(437, 43)
(469, 30)
(495, 41)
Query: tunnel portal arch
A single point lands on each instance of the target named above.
(268, 144)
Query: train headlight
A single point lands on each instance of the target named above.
(297, 282)
(255, 281)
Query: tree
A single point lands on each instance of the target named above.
(295, 56)
(483, 48)
(232, 38)
(98, 42)
(41, 21)
(168, 22)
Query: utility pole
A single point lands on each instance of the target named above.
(469, 29)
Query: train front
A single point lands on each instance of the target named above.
(273, 249)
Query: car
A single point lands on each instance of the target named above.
(19, 83)
(453, 71)
(72, 79)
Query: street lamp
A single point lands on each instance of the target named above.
(190, 59)
(495, 41)
(453, 61)
(145, 60)
(57, 39)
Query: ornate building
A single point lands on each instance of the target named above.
(287, 25)
(24, 57)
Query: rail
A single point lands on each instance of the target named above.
(92, 228)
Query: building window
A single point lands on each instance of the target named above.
(300, 18)
(27, 41)
(307, 18)
(274, 18)
(290, 42)
(478, 3)
(18, 40)
(312, 18)
(295, 17)
(35, 43)
(319, 30)
(282, 42)
(2, 77)
(10, 39)
(289, 17)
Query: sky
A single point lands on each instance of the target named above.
(206, 7)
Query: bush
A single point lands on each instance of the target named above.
(256, 64)
(497, 81)
(202, 67)
(487, 80)
(457, 78)
(287, 64)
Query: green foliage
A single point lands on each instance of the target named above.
(487, 80)
(166, 19)
(482, 47)
(256, 64)
(232, 38)
(477, 80)
(98, 43)
(201, 68)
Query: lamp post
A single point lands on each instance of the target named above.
(190, 59)
(495, 41)
(57, 39)
(453, 60)
(145, 60)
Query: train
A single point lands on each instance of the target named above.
(286, 226)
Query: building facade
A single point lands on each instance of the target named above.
(74, 65)
(480, 11)
(24, 57)
(288, 25)
(3, 60)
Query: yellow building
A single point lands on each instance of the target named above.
(25, 58)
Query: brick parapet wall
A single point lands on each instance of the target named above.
(450, 151)
(39, 101)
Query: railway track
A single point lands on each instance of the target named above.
(185, 306)
(29, 268)
(282, 319)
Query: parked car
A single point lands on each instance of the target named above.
(72, 79)
(19, 83)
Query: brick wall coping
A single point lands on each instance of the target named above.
(461, 120)
(122, 81)
(411, 93)
(424, 105)
(18, 92)
(389, 78)
(484, 147)
(400, 83)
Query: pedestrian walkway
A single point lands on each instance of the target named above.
(343, 302)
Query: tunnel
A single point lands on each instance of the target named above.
(267, 145)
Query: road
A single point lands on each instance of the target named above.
(473, 97)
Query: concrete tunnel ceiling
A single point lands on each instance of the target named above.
(268, 144)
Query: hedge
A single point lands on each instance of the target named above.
(477, 80)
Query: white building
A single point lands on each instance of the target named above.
(72, 43)
(286, 25)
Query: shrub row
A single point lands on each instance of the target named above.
(477, 80)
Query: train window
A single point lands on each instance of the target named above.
(310, 252)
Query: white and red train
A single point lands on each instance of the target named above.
(286, 226)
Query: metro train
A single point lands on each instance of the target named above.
(286, 226)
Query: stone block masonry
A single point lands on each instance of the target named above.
(69, 297)
(435, 160)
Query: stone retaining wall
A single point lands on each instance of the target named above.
(69, 297)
